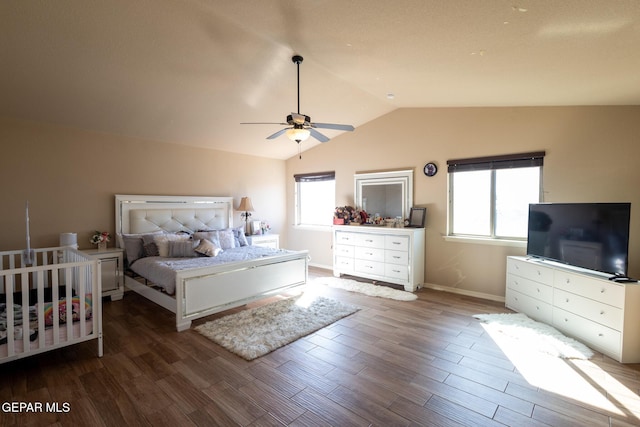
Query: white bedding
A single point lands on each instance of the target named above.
(161, 271)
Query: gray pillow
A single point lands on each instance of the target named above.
(241, 239)
(134, 245)
(183, 248)
(210, 235)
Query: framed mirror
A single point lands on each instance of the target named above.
(389, 194)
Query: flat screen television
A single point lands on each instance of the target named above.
(588, 235)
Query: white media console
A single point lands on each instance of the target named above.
(584, 304)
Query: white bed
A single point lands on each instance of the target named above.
(59, 278)
(203, 291)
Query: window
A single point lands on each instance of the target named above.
(489, 197)
(315, 198)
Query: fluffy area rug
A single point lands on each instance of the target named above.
(532, 335)
(365, 288)
(255, 332)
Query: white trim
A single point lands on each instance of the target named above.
(486, 241)
(474, 294)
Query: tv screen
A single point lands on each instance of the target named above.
(589, 235)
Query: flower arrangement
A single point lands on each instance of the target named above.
(100, 237)
(344, 215)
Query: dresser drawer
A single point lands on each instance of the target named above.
(372, 254)
(601, 313)
(369, 267)
(344, 264)
(536, 290)
(370, 240)
(530, 270)
(396, 257)
(597, 289)
(394, 271)
(532, 307)
(344, 250)
(598, 336)
(396, 243)
(345, 238)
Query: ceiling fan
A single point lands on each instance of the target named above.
(301, 126)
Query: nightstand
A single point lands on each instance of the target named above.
(111, 262)
(265, 240)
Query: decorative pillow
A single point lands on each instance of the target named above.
(162, 242)
(240, 238)
(134, 245)
(150, 249)
(208, 248)
(183, 248)
(227, 238)
(210, 235)
(62, 310)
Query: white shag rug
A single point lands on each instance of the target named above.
(255, 332)
(534, 335)
(365, 288)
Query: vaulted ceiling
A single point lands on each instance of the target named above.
(189, 71)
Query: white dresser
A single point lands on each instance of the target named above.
(394, 255)
(603, 314)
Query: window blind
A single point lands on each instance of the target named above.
(317, 176)
(507, 161)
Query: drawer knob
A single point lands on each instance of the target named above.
(600, 335)
(539, 273)
(396, 271)
(369, 241)
(602, 291)
(566, 320)
(568, 281)
(602, 312)
(566, 300)
(396, 243)
(538, 289)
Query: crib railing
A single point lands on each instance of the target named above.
(61, 273)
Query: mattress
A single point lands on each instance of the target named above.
(161, 271)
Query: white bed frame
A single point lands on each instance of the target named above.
(204, 291)
(51, 268)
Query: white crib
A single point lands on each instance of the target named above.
(62, 284)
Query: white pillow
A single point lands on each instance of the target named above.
(162, 242)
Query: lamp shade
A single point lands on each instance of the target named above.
(245, 205)
(69, 239)
(298, 135)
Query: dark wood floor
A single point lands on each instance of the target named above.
(424, 362)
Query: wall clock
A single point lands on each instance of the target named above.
(430, 169)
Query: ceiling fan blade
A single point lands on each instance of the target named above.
(332, 126)
(277, 134)
(264, 123)
(317, 135)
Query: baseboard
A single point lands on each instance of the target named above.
(324, 267)
(464, 292)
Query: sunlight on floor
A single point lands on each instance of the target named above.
(581, 380)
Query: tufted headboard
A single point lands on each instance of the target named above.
(144, 214)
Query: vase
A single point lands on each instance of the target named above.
(102, 246)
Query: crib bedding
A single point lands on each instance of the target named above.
(49, 337)
(22, 326)
(161, 271)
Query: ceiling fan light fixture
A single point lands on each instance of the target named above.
(298, 135)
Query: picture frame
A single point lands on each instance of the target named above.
(256, 227)
(417, 217)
